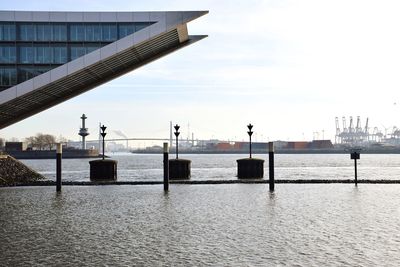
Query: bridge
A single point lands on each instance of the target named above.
(55, 56)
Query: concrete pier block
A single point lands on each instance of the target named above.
(101, 170)
(250, 168)
(179, 169)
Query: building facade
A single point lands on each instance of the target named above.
(29, 49)
(49, 57)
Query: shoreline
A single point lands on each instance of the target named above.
(204, 182)
(277, 151)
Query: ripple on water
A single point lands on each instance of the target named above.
(205, 167)
(223, 225)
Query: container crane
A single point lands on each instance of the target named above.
(366, 130)
(337, 136)
(345, 130)
(351, 129)
(358, 126)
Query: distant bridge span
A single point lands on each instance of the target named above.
(158, 139)
(130, 39)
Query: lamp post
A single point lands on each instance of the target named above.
(103, 169)
(176, 134)
(103, 134)
(250, 133)
(250, 168)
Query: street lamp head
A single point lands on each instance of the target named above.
(176, 134)
(103, 134)
(250, 127)
(176, 130)
(103, 128)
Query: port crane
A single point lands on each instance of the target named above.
(354, 134)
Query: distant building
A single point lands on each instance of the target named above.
(321, 144)
(115, 147)
(315, 144)
(15, 146)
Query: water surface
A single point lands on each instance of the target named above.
(201, 225)
(142, 167)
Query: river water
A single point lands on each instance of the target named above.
(207, 225)
(201, 225)
(148, 167)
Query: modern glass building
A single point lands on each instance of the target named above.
(49, 57)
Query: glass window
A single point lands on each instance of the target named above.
(27, 73)
(109, 32)
(44, 32)
(141, 25)
(91, 48)
(43, 54)
(26, 54)
(126, 29)
(26, 32)
(60, 54)
(7, 32)
(8, 76)
(77, 51)
(77, 32)
(92, 32)
(59, 32)
(7, 54)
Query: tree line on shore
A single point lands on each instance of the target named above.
(39, 141)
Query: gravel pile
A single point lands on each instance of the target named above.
(14, 172)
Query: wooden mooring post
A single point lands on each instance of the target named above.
(355, 154)
(58, 167)
(166, 167)
(271, 166)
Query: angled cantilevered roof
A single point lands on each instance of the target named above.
(167, 33)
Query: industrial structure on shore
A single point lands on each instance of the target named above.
(83, 131)
(356, 134)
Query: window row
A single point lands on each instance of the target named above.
(78, 51)
(91, 32)
(26, 73)
(44, 54)
(42, 32)
(10, 76)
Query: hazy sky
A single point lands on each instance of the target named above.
(288, 67)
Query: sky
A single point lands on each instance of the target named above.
(288, 67)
